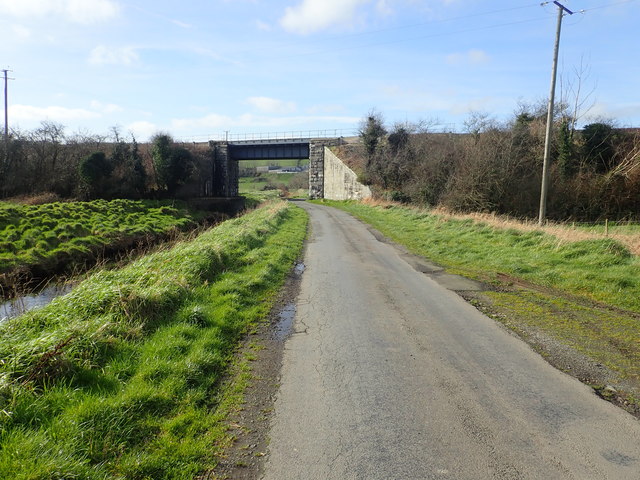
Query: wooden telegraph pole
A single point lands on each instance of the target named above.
(6, 114)
(547, 138)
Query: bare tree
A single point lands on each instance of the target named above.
(576, 96)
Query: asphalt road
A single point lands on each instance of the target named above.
(390, 375)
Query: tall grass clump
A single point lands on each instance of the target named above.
(48, 237)
(603, 270)
(121, 378)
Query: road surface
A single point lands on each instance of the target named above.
(390, 375)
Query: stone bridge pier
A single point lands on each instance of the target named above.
(316, 170)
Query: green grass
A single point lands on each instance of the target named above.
(122, 377)
(623, 228)
(51, 235)
(267, 163)
(257, 183)
(611, 338)
(601, 270)
(271, 181)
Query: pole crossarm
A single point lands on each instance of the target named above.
(564, 8)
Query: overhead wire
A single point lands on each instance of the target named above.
(441, 34)
(430, 22)
(325, 39)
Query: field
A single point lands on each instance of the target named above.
(48, 237)
(583, 292)
(122, 377)
(295, 184)
(266, 163)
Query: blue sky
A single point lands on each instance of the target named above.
(198, 68)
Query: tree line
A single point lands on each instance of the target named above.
(85, 166)
(497, 166)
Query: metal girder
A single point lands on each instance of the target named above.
(269, 151)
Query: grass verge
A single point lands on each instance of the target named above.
(585, 294)
(601, 270)
(121, 378)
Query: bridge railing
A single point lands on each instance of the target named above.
(282, 135)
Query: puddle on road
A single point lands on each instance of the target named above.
(284, 327)
(17, 306)
(284, 324)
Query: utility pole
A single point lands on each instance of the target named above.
(6, 114)
(547, 138)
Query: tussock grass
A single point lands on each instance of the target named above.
(122, 377)
(602, 269)
(45, 238)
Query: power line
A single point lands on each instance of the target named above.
(431, 22)
(599, 7)
(329, 38)
(420, 37)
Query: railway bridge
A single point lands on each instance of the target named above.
(227, 154)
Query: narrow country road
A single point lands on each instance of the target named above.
(390, 375)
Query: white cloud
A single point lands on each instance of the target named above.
(102, 55)
(106, 107)
(77, 11)
(325, 109)
(264, 26)
(478, 56)
(21, 32)
(56, 113)
(314, 15)
(472, 57)
(91, 11)
(384, 8)
(401, 97)
(182, 24)
(475, 105)
(214, 121)
(620, 112)
(271, 105)
(143, 130)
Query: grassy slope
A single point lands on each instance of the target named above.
(47, 234)
(121, 378)
(600, 270)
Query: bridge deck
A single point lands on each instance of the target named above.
(269, 150)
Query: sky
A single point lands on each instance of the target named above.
(202, 69)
